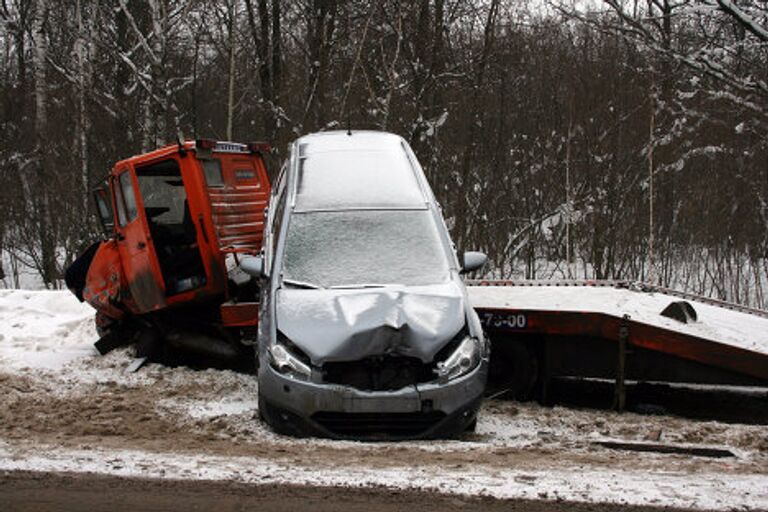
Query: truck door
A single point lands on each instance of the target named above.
(142, 271)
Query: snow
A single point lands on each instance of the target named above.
(44, 329)
(714, 323)
(365, 170)
(59, 392)
(358, 179)
(746, 20)
(206, 409)
(20, 273)
(366, 247)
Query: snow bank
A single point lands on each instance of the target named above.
(44, 329)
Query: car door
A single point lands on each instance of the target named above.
(142, 270)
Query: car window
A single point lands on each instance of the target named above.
(276, 209)
(357, 179)
(364, 247)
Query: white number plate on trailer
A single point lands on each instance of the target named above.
(504, 320)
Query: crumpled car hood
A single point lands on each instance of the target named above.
(348, 325)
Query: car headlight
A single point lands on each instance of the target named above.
(282, 360)
(461, 361)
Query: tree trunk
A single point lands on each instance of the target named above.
(83, 84)
(232, 13)
(39, 182)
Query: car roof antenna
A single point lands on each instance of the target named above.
(349, 123)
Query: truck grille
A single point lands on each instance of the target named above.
(375, 425)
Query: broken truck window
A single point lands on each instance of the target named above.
(162, 189)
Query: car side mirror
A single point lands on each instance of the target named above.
(473, 261)
(253, 266)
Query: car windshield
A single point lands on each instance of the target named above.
(364, 248)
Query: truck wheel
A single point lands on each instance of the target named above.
(513, 369)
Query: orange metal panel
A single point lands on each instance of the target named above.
(241, 314)
(237, 208)
(104, 280)
(599, 325)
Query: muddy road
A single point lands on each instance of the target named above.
(34, 491)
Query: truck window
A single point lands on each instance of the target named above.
(162, 189)
(119, 205)
(212, 171)
(170, 222)
(104, 209)
(125, 200)
(129, 198)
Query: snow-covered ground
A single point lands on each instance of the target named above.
(65, 408)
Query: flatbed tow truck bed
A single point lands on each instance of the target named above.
(616, 329)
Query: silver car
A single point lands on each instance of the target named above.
(365, 329)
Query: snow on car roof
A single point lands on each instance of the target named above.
(719, 324)
(343, 141)
(370, 170)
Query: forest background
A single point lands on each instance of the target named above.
(623, 139)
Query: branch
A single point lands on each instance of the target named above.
(139, 34)
(72, 80)
(730, 8)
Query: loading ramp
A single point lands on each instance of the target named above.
(619, 330)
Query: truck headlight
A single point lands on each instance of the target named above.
(282, 360)
(461, 361)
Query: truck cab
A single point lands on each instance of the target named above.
(177, 220)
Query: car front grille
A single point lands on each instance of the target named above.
(379, 373)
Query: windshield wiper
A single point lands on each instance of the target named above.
(301, 284)
(354, 286)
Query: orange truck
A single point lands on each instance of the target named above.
(176, 222)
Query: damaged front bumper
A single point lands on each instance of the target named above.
(421, 411)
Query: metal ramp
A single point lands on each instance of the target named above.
(624, 329)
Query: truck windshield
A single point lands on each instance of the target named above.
(364, 248)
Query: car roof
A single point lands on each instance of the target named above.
(364, 170)
(355, 140)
